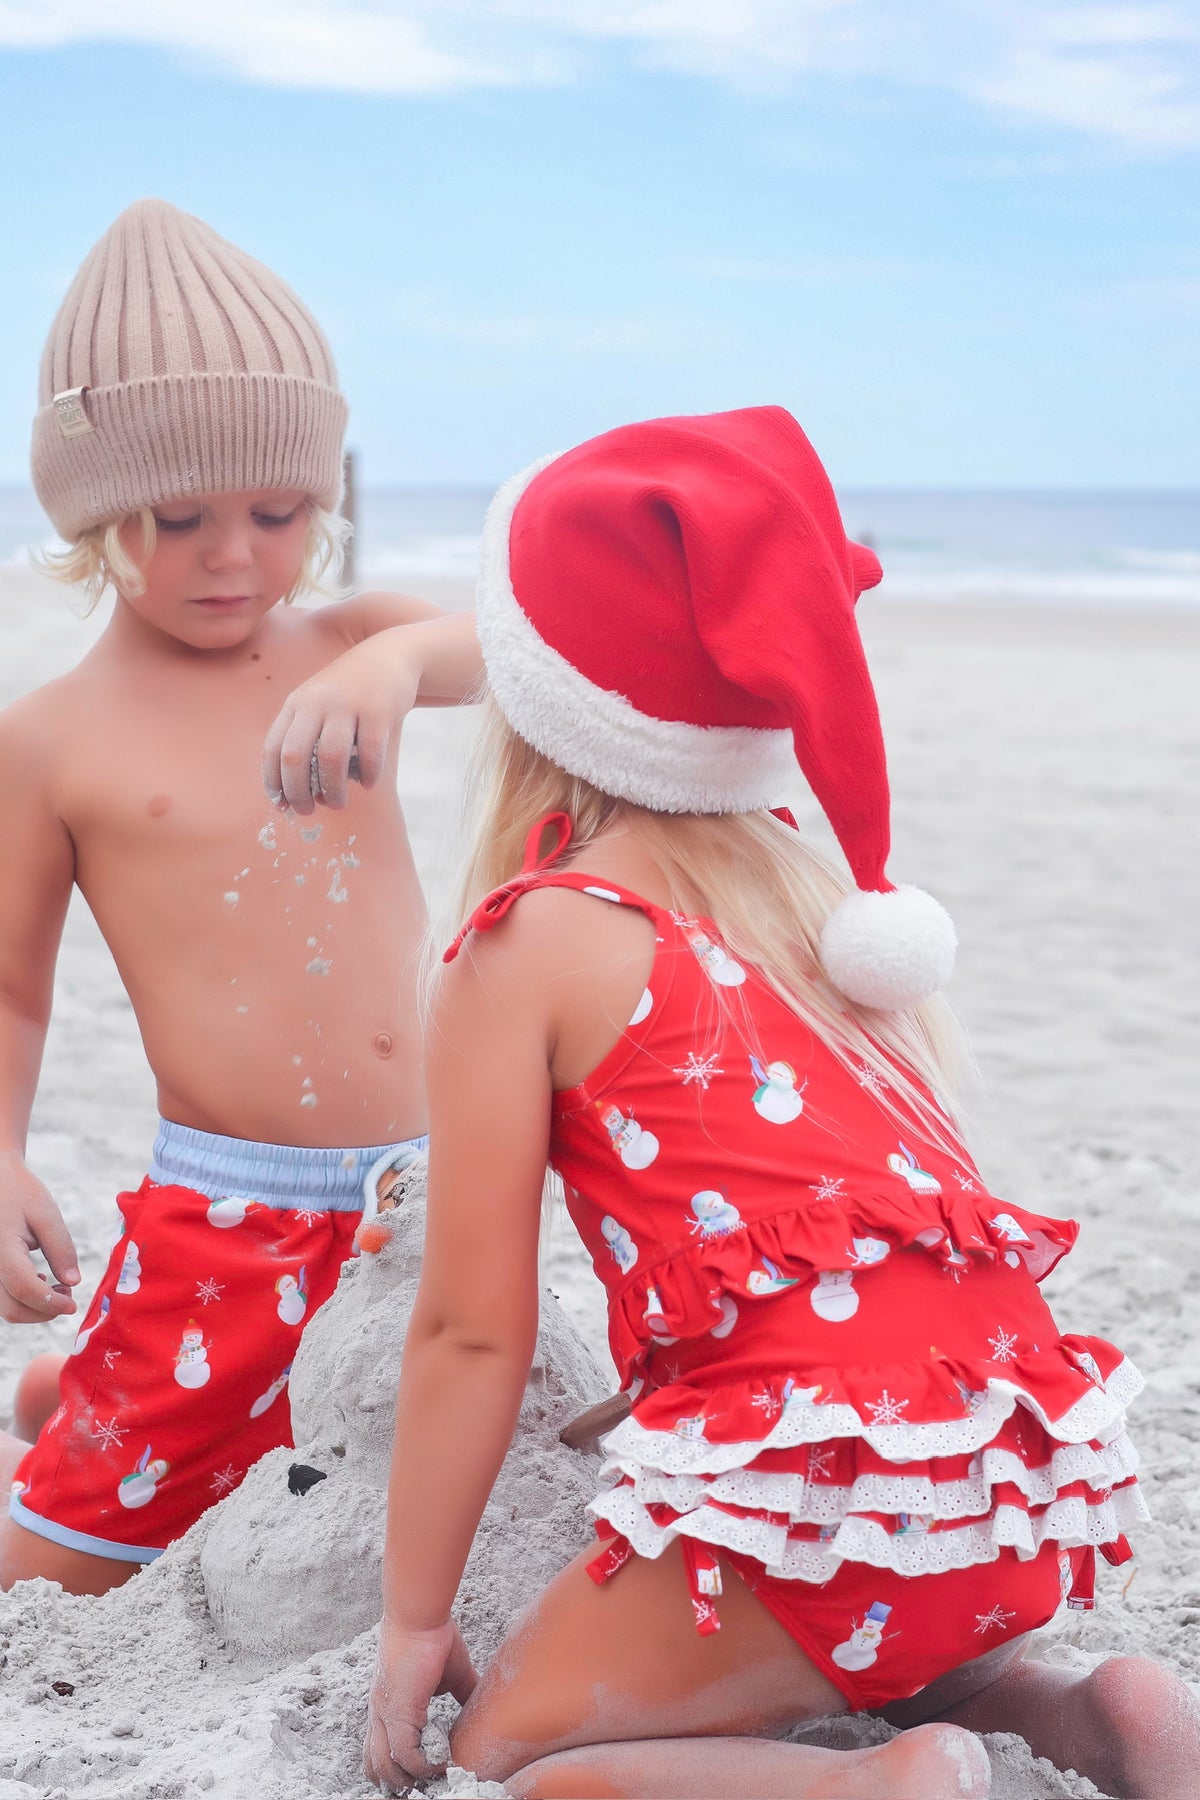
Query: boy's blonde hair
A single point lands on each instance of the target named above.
(98, 559)
(767, 891)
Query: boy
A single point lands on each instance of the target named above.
(189, 447)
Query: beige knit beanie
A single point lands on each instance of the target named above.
(178, 365)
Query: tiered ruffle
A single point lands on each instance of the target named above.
(917, 1465)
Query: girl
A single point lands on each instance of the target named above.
(862, 1463)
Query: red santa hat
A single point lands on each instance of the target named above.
(667, 611)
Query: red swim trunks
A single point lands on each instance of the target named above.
(177, 1380)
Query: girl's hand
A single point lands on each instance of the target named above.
(30, 1220)
(412, 1667)
(340, 725)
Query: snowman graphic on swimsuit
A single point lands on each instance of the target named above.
(636, 1148)
(715, 1216)
(776, 1098)
(130, 1278)
(267, 1400)
(1008, 1228)
(81, 1337)
(621, 1246)
(228, 1211)
(727, 1307)
(861, 1648)
(139, 1487)
(716, 961)
(866, 1253)
(904, 1164)
(191, 1359)
(768, 1280)
(834, 1297)
(293, 1298)
(654, 1318)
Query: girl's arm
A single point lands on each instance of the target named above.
(37, 870)
(359, 702)
(474, 1325)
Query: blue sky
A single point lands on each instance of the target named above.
(958, 238)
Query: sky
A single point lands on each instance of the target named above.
(957, 238)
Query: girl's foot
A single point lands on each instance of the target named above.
(37, 1395)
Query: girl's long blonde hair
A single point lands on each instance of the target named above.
(767, 891)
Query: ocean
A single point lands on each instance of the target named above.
(1137, 548)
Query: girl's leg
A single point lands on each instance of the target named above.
(23, 1554)
(37, 1395)
(583, 1694)
(1130, 1726)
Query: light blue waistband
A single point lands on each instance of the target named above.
(283, 1175)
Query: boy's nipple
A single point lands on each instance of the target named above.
(158, 805)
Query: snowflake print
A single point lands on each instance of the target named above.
(209, 1290)
(111, 1435)
(767, 1401)
(704, 1610)
(997, 1618)
(829, 1187)
(698, 1069)
(870, 1079)
(820, 1461)
(1002, 1345)
(307, 1217)
(886, 1410)
(224, 1479)
(110, 1359)
(684, 921)
(56, 1418)
(965, 1183)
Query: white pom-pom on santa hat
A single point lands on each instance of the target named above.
(888, 950)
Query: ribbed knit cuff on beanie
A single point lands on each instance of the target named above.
(178, 365)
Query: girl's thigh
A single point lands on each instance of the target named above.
(590, 1665)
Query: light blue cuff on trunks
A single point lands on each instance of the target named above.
(286, 1176)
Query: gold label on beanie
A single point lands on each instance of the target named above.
(71, 412)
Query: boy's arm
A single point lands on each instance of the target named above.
(37, 870)
(355, 707)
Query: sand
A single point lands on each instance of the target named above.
(1044, 769)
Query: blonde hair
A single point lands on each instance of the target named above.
(98, 559)
(767, 891)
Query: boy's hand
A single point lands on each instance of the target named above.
(340, 725)
(29, 1220)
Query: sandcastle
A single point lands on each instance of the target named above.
(288, 1573)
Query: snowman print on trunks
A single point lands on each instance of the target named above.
(636, 1148)
(713, 1214)
(834, 1298)
(861, 1648)
(643, 1007)
(229, 1211)
(902, 1162)
(293, 1298)
(139, 1487)
(776, 1098)
(81, 1337)
(130, 1278)
(622, 1248)
(716, 961)
(191, 1359)
(654, 1318)
(267, 1400)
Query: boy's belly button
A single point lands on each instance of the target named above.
(383, 1043)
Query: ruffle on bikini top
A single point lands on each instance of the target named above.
(682, 1293)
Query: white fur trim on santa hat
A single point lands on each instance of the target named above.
(664, 764)
(888, 950)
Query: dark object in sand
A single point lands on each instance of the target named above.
(63, 1687)
(582, 1432)
(302, 1476)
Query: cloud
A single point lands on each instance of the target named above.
(1128, 73)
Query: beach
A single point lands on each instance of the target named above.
(1044, 766)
